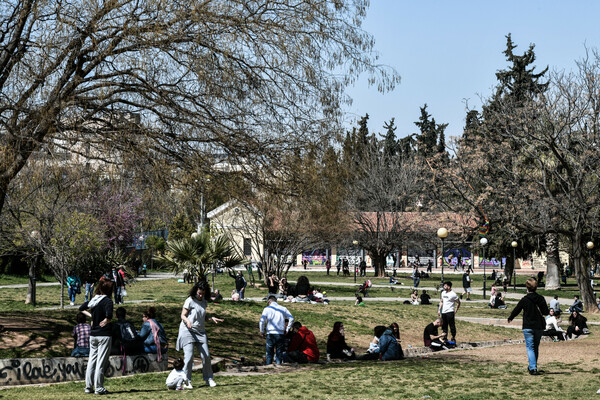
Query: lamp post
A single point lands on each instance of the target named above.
(514, 245)
(355, 243)
(590, 246)
(442, 233)
(483, 241)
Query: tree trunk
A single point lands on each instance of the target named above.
(552, 262)
(379, 263)
(31, 297)
(581, 268)
(62, 288)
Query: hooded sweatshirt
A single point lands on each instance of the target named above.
(101, 307)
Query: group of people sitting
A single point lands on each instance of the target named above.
(577, 326)
(415, 299)
(302, 292)
(126, 340)
(385, 345)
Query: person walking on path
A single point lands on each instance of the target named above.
(74, 286)
(272, 326)
(448, 307)
(101, 307)
(534, 308)
(89, 280)
(192, 333)
(466, 278)
(119, 283)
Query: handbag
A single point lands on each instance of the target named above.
(123, 292)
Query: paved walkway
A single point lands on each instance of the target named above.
(509, 296)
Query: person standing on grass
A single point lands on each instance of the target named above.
(448, 307)
(534, 308)
(466, 284)
(328, 265)
(192, 333)
(272, 326)
(101, 307)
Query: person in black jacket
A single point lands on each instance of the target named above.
(240, 283)
(101, 307)
(577, 323)
(534, 308)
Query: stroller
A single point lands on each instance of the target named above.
(364, 288)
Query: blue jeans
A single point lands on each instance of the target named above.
(89, 291)
(80, 352)
(274, 342)
(72, 293)
(532, 344)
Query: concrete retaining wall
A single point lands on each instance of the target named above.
(22, 371)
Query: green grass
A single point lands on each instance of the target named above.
(409, 379)
(457, 376)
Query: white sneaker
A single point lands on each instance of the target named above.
(188, 385)
(210, 382)
(72, 303)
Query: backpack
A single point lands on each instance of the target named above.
(128, 334)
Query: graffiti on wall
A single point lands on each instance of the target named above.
(44, 370)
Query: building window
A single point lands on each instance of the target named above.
(247, 247)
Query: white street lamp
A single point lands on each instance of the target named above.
(483, 241)
(442, 233)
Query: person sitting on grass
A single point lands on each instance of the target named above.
(389, 349)
(81, 333)
(577, 305)
(414, 298)
(497, 301)
(396, 332)
(359, 301)
(552, 329)
(373, 350)
(425, 298)
(578, 325)
(336, 344)
(431, 337)
(303, 347)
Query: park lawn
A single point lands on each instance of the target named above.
(453, 375)
(241, 325)
(23, 279)
(447, 375)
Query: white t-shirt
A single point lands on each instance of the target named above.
(197, 313)
(449, 299)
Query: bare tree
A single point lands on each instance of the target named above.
(386, 186)
(186, 79)
(542, 178)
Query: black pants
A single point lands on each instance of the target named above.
(448, 320)
(295, 356)
(553, 333)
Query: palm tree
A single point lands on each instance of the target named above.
(199, 254)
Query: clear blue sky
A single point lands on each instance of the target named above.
(447, 52)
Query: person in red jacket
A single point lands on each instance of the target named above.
(303, 347)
